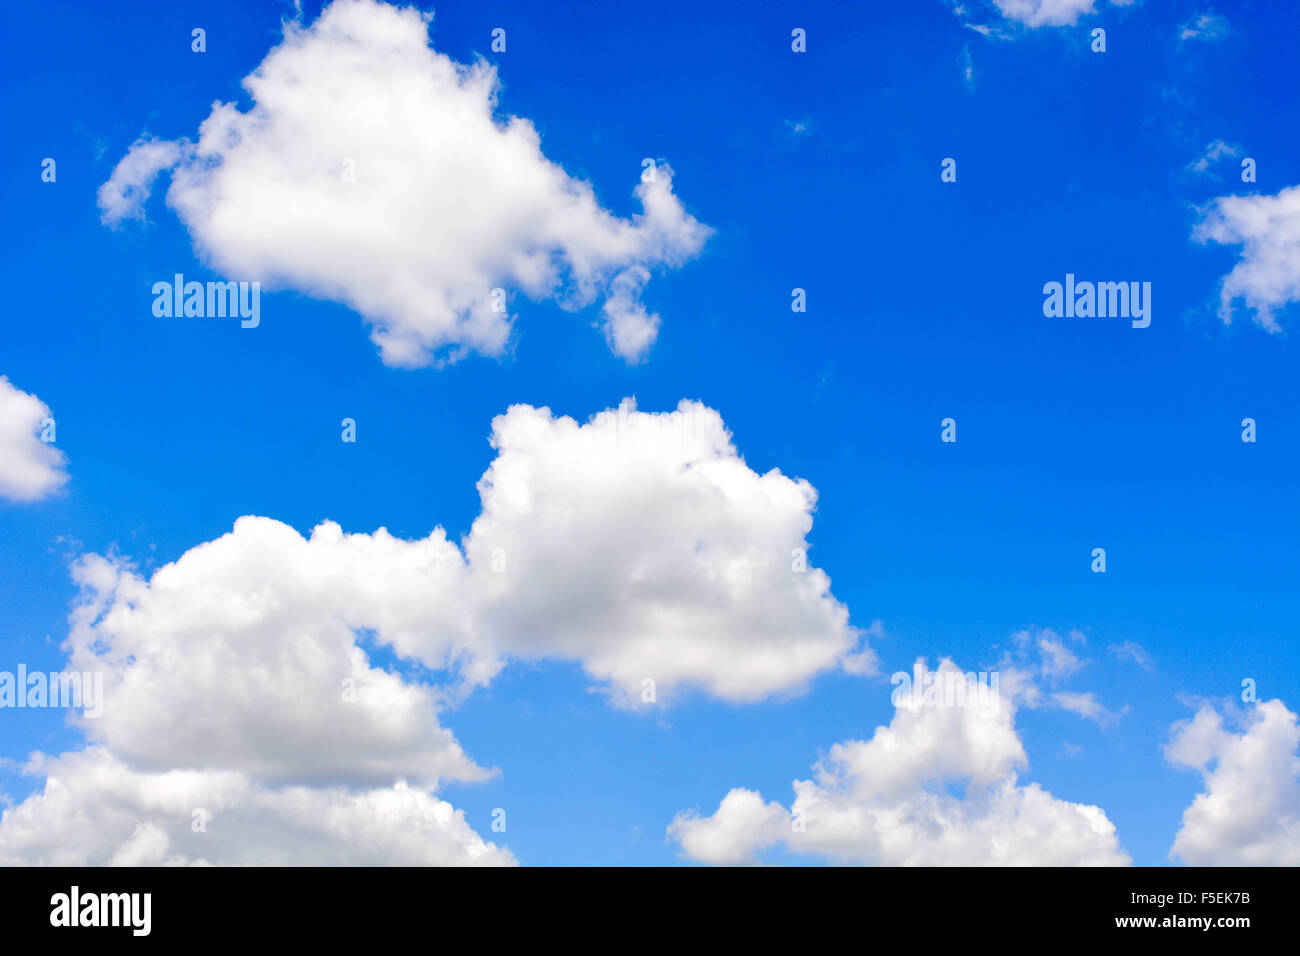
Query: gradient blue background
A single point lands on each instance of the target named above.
(924, 302)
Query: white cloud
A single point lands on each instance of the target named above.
(643, 546)
(637, 545)
(742, 826)
(1249, 812)
(1029, 14)
(629, 328)
(1057, 660)
(235, 657)
(1268, 229)
(1044, 13)
(1204, 26)
(967, 67)
(1214, 151)
(1135, 652)
(892, 800)
(234, 683)
(1038, 662)
(131, 183)
(30, 469)
(94, 810)
(372, 171)
(1084, 704)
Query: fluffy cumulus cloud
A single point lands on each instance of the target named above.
(639, 545)
(1029, 14)
(1249, 812)
(373, 171)
(239, 678)
(263, 626)
(96, 810)
(937, 786)
(1267, 277)
(644, 547)
(242, 721)
(30, 469)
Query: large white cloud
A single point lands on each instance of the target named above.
(30, 469)
(1249, 813)
(1267, 277)
(895, 800)
(643, 546)
(236, 684)
(95, 810)
(638, 545)
(372, 171)
(243, 655)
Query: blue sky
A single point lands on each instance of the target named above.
(818, 171)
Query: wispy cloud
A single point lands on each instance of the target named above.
(1132, 651)
(1204, 26)
(1214, 152)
